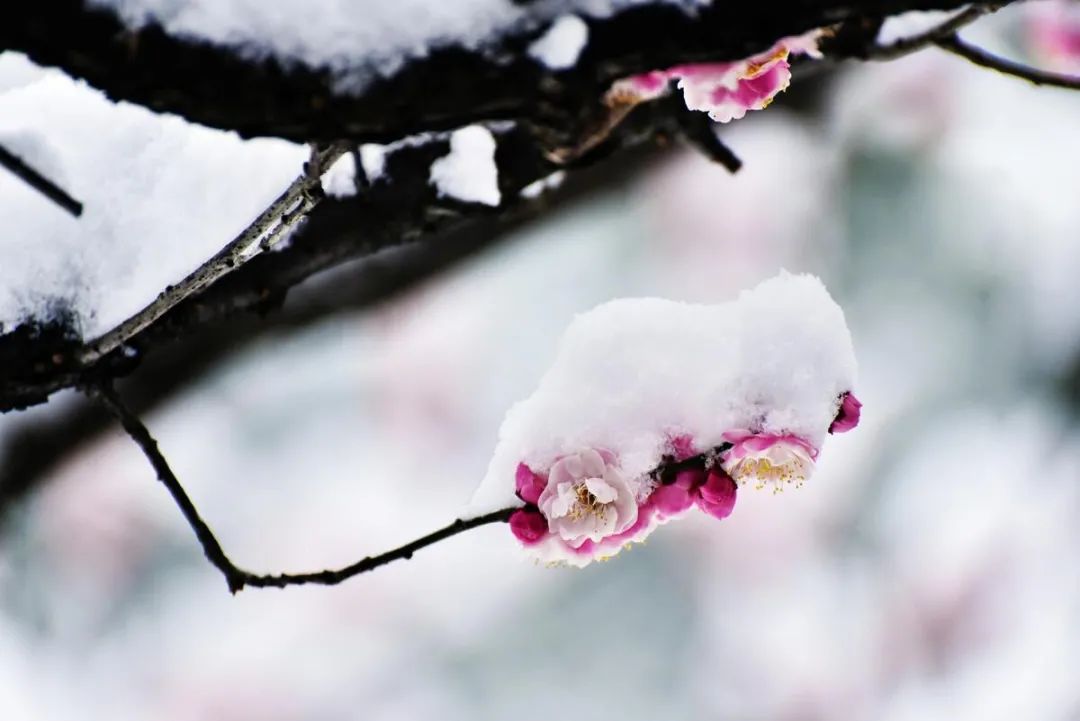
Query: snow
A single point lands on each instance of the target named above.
(538, 187)
(358, 38)
(560, 47)
(469, 173)
(632, 373)
(160, 196)
(339, 181)
(373, 159)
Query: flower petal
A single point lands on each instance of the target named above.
(717, 495)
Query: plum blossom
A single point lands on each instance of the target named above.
(587, 498)
(768, 459)
(713, 492)
(847, 416)
(716, 496)
(1054, 33)
(726, 91)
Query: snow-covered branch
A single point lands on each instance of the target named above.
(259, 93)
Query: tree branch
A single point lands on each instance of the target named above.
(237, 578)
(39, 182)
(982, 58)
(448, 88)
(913, 43)
(401, 207)
(29, 445)
(273, 224)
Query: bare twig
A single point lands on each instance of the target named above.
(39, 182)
(980, 57)
(236, 577)
(700, 131)
(908, 45)
(263, 233)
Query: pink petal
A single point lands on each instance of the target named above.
(529, 484)
(689, 478)
(671, 500)
(682, 447)
(847, 417)
(717, 496)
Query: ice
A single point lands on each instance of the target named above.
(469, 172)
(560, 47)
(633, 373)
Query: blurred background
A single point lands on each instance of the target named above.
(930, 570)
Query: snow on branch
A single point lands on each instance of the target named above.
(263, 234)
(448, 87)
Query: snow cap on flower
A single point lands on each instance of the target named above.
(658, 382)
(847, 416)
(768, 459)
(727, 90)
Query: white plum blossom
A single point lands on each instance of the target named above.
(768, 459)
(586, 499)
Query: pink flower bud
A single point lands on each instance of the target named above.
(529, 484)
(528, 526)
(847, 417)
(717, 495)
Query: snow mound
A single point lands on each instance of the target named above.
(633, 374)
(469, 173)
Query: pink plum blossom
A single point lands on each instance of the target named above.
(682, 446)
(716, 496)
(673, 499)
(587, 498)
(529, 484)
(713, 492)
(768, 459)
(726, 91)
(847, 416)
(1054, 33)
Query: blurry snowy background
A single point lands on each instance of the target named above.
(930, 570)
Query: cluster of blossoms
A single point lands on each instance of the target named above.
(587, 507)
(726, 91)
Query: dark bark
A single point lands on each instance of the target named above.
(400, 208)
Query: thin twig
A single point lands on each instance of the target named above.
(700, 131)
(39, 182)
(264, 232)
(236, 577)
(908, 45)
(980, 57)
